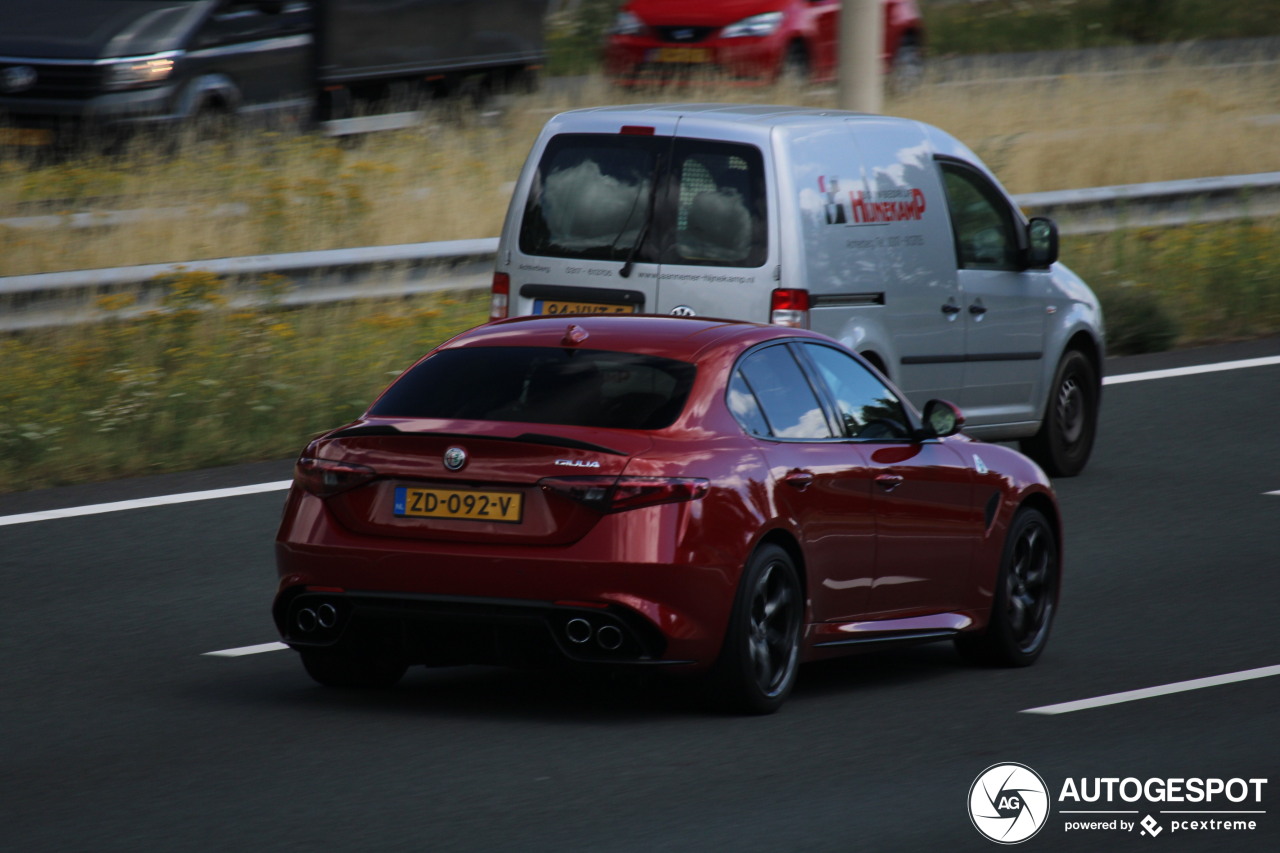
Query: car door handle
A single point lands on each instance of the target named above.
(951, 308)
(798, 479)
(888, 482)
(977, 309)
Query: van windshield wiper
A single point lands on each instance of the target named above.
(627, 265)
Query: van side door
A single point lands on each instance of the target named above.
(1005, 304)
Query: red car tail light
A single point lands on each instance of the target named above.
(500, 297)
(789, 306)
(615, 494)
(325, 477)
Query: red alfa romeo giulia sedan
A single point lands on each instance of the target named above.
(702, 496)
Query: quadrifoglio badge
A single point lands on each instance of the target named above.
(1010, 803)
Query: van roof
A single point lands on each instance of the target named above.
(759, 119)
(761, 113)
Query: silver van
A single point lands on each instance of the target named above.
(887, 234)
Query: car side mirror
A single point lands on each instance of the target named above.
(1042, 242)
(942, 418)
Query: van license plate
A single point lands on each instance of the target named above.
(550, 306)
(686, 55)
(466, 504)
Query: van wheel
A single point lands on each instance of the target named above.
(1065, 440)
(1025, 600)
(761, 654)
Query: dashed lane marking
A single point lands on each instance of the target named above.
(1192, 370)
(246, 650)
(142, 503)
(1149, 692)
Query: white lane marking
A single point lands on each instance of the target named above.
(140, 503)
(246, 650)
(1276, 493)
(1192, 371)
(1149, 692)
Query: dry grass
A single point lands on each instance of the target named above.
(451, 177)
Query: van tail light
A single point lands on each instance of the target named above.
(615, 494)
(500, 297)
(789, 306)
(325, 477)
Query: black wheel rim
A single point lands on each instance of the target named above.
(1070, 408)
(1031, 586)
(772, 635)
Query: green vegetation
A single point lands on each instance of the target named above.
(1192, 284)
(1002, 26)
(200, 383)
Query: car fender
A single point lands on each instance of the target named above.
(205, 90)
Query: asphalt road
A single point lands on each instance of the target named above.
(118, 732)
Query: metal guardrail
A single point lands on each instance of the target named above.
(334, 275)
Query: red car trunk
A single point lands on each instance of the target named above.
(505, 490)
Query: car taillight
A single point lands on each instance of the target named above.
(615, 494)
(325, 477)
(500, 297)
(789, 306)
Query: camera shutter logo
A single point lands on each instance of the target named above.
(1008, 803)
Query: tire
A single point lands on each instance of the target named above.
(761, 654)
(1065, 440)
(335, 668)
(794, 71)
(907, 70)
(1026, 597)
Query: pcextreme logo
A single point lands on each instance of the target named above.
(1009, 803)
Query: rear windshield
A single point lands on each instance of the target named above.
(593, 388)
(593, 193)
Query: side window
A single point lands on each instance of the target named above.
(985, 229)
(745, 407)
(868, 409)
(784, 395)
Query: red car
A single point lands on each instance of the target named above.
(754, 40)
(701, 496)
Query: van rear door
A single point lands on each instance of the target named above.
(584, 240)
(712, 231)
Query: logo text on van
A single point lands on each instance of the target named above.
(854, 208)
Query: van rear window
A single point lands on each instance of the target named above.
(593, 193)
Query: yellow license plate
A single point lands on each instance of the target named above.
(25, 136)
(466, 504)
(547, 306)
(682, 54)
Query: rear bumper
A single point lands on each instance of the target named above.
(443, 630)
(636, 60)
(668, 596)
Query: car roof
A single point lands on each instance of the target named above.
(682, 338)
